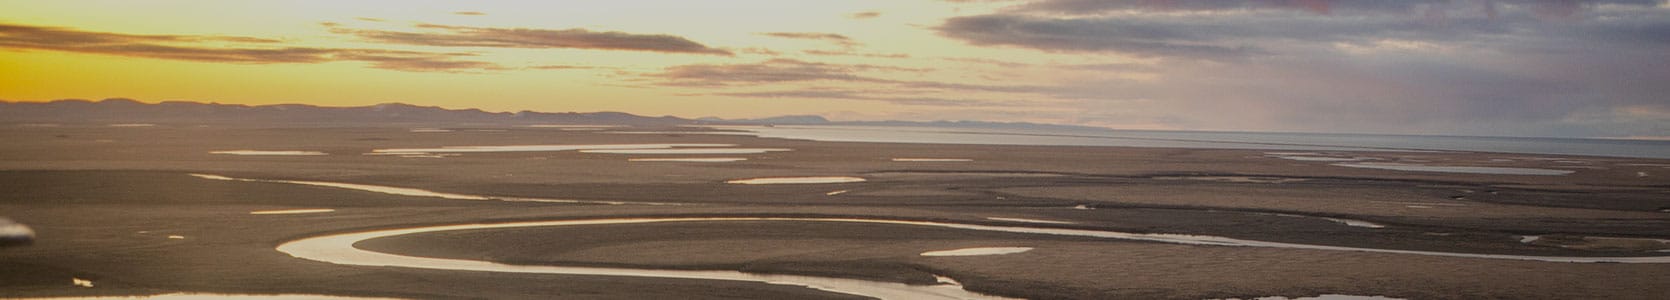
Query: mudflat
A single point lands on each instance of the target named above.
(154, 210)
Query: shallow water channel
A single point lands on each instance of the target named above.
(339, 249)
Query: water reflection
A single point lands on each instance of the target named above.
(932, 159)
(978, 251)
(423, 193)
(1025, 220)
(206, 296)
(1317, 158)
(268, 152)
(573, 126)
(1234, 179)
(1325, 297)
(292, 211)
(688, 151)
(339, 249)
(539, 148)
(1355, 223)
(1455, 169)
(14, 233)
(797, 180)
(689, 159)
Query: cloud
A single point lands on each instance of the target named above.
(576, 38)
(761, 51)
(1523, 68)
(987, 61)
(854, 53)
(1349, 7)
(1472, 94)
(842, 40)
(1319, 6)
(1143, 29)
(1216, 38)
(415, 61)
(37, 35)
(801, 74)
(469, 13)
(1086, 35)
(1112, 67)
(212, 49)
(775, 70)
(864, 15)
(559, 67)
(980, 1)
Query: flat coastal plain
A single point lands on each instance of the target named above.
(132, 211)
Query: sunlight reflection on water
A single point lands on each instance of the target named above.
(797, 180)
(1455, 169)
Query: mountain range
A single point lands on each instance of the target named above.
(111, 111)
(119, 110)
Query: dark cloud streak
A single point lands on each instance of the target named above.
(560, 67)
(854, 53)
(775, 70)
(864, 15)
(784, 71)
(838, 39)
(1503, 67)
(415, 61)
(192, 48)
(1344, 7)
(576, 38)
(1087, 35)
(1256, 34)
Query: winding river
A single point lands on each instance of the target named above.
(339, 249)
(423, 193)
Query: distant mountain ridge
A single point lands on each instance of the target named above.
(818, 120)
(778, 120)
(120, 110)
(129, 111)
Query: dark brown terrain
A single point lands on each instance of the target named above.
(105, 202)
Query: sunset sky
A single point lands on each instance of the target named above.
(1595, 68)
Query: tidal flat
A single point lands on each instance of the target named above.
(104, 205)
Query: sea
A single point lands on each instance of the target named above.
(1659, 149)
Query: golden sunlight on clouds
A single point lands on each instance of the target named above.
(1332, 65)
(497, 55)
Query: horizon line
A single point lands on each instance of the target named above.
(834, 122)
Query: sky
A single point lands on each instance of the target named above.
(1559, 68)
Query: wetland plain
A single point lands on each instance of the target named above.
(543, 212)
